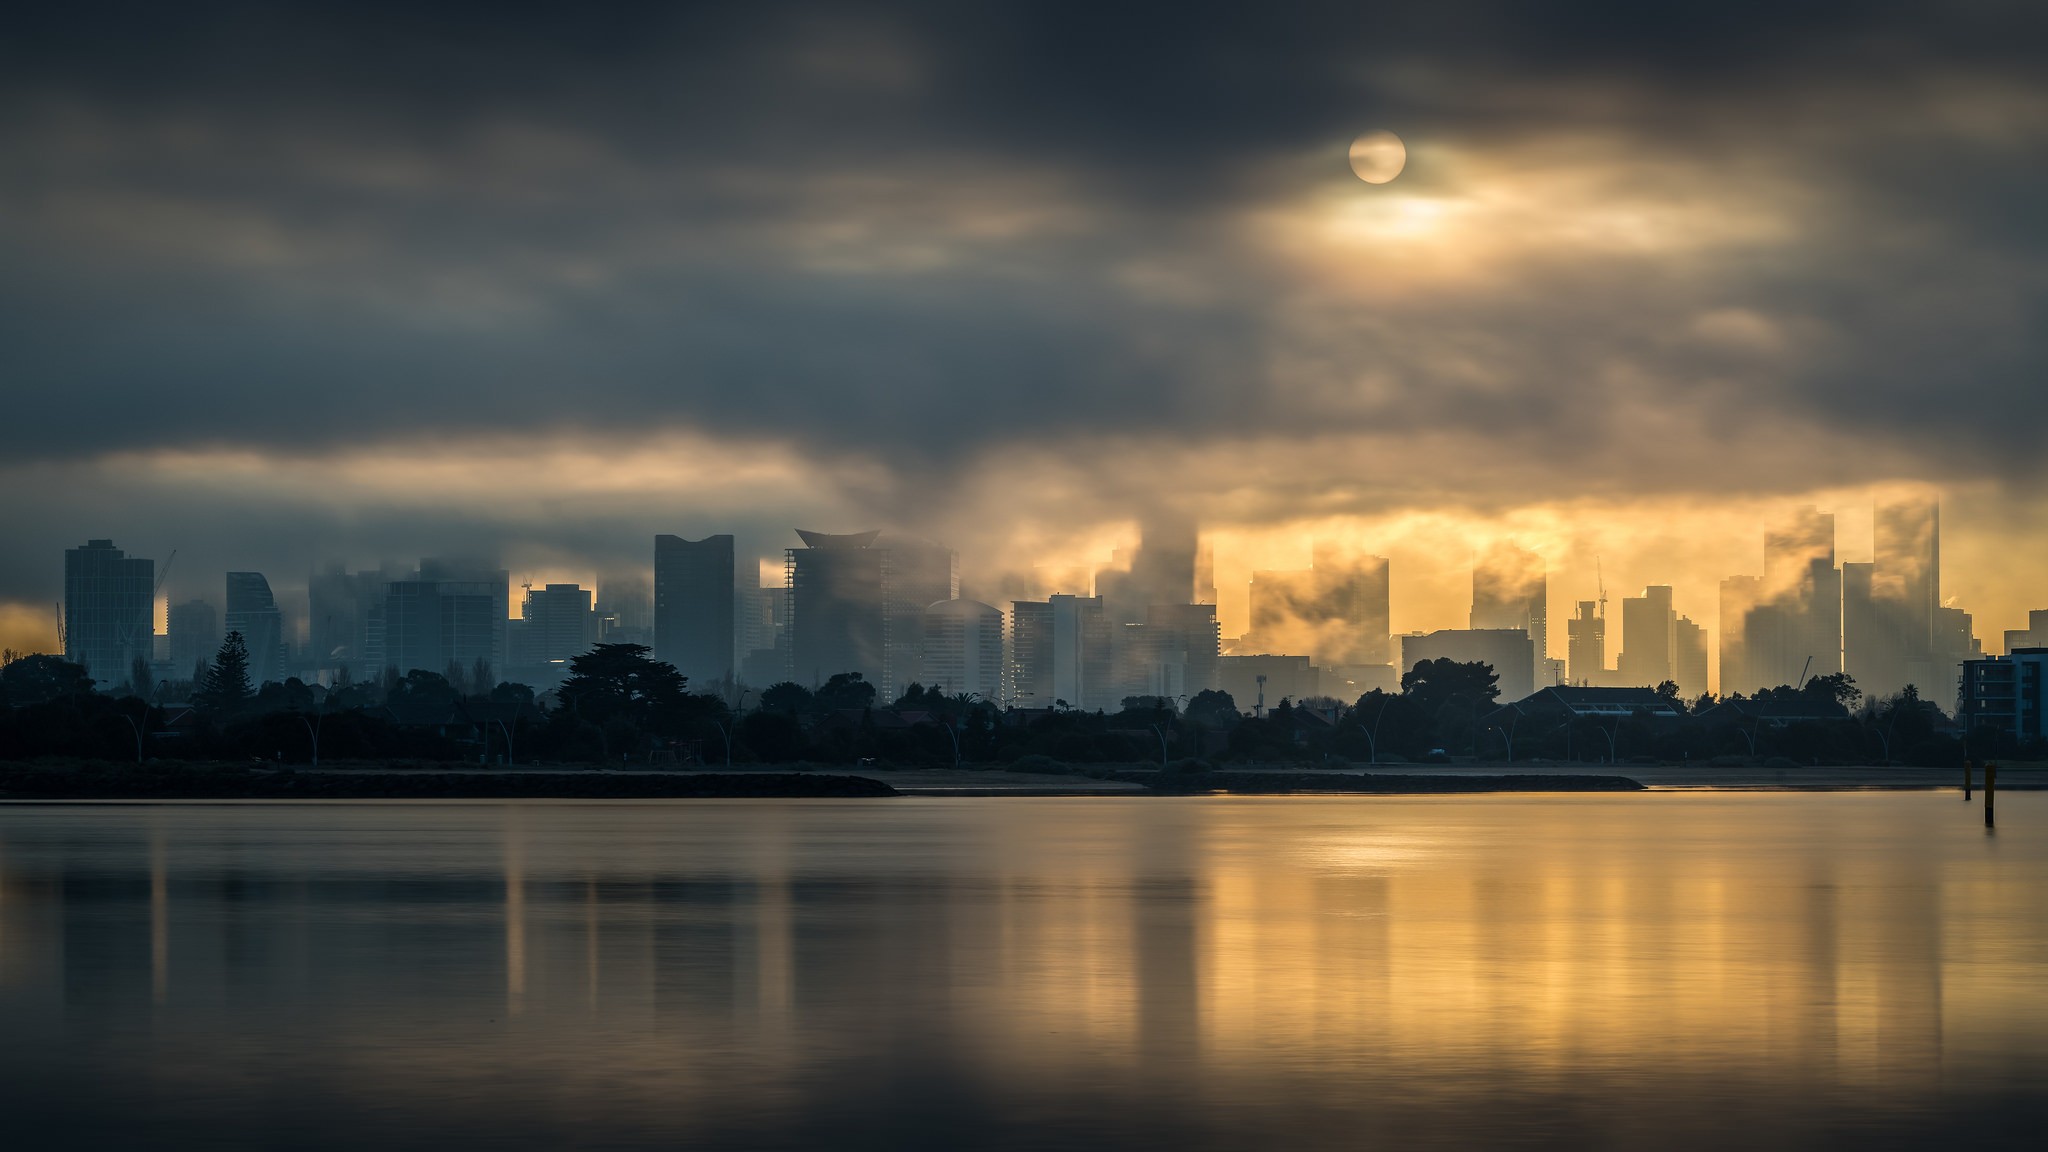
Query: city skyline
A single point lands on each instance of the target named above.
(1795, 618)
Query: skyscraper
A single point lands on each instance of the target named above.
(1648, 639)
(693, 607)
(194, 631)
(963, 648)
(915, 575)
(1509, 590)
(449, 613)
(1586, 646)
(1031, 654)
(109, 610)
(1889, 604)
(835, 607)
(1081, 664)
(1689, 657)
(252, 611)
(1740, 596)
(557, 624)
(345, 619)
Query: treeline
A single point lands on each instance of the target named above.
(619, 705)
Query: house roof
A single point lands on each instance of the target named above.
(1578, 702)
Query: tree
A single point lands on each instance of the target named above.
(846, 690)
(1435, 683)
(138, 677)
(789, 698)
(1668, 692)
(1212, 708)
(225, 686)
(480, 677)
(40, 678)
(620, 680)
(1839, 687)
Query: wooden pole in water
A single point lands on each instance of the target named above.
(1990, 791)
(1966, 781)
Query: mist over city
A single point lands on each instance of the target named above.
(904, 574)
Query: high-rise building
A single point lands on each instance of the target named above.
(1689, 658)
(1649, 639)
(963, 648)
(915, 575)
(345, 619)
(1888, 605)
(1510, 590)
(693, 607)
(252, 612)
(1031, 654)
(836, 607)
(1508, 650)
(1740, 596)
(450, 613)
(1161, 571)
(557, 624)
(195, 635)
(1082, 670)
(1586, 646)
(625, 608)
(2005, 692)
(109, 611)
(1189, 634)
(2034, 635)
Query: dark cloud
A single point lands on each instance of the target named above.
(922, 235)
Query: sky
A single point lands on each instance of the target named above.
(366, 282)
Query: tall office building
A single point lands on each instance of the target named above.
(2034, 635)
(1161, 571)
(1031, 654)
(109, 611)
(252, 612)
(1586, 646)
(1740, 596)
(1082, 672)
(1689, 658)
(1801, 635)
(195, 635)
(915, 575)
(1889, 605)
(963, 648)
(345, 619)
(1648, 639)
(625, 608)
(448, 613)
(557, 624)
(1189, 634)
(836, 607)
(693, 607)
(1510, 590)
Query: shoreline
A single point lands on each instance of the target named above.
(115, 782)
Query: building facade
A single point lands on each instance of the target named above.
(693, 607)
(252, 612)
(963, 648)
(109, 611)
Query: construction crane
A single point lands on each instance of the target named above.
(1600, 575)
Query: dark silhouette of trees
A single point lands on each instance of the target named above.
(225, 686)
(1434, 683)
(789, 698)
(1212, 708)
(41, 678)
(621, 681)
(846, 690)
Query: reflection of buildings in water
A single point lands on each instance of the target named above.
(515, 913)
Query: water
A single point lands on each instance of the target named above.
(1671, 970)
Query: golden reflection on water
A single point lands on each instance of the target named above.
(664, 965)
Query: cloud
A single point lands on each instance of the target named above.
(357, 279)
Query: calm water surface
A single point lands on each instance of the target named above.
(1673, 970)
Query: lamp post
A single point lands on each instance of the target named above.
(1161, 733)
